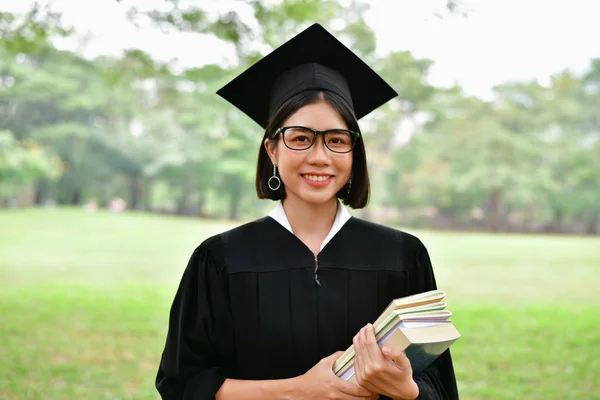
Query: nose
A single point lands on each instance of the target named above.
(318, 153)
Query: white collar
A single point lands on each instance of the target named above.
(342, 216)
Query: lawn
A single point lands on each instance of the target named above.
(84, 299)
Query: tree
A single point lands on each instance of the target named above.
(23, 163)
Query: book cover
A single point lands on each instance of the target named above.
(422, 343)
(421, 305)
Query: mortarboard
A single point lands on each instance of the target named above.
(313, 59)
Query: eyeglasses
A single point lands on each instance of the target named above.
(302, 138)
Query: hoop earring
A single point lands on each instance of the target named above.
(277, 185)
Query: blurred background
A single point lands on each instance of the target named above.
(117, 159)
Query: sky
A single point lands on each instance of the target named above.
(499, 41)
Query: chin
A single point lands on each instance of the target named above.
(317, 198)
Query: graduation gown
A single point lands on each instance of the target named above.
(254, 303)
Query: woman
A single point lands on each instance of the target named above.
(264, 310)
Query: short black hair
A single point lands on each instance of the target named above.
(358, 195)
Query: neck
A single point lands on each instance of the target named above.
(312, 219)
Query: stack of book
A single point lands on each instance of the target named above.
(419, 325)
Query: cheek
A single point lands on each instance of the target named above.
(346, 166)
(288, 162)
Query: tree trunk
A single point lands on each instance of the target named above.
(136, 187)
(495, 204)
(201, 202)
(75, 199)
(592, 225)
(182, 205)
(146, 198)
(41, 190)
(103, 199)
(556, 225)
(236, 197)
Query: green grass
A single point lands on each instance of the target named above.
(84, 300)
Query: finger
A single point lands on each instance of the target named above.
(393, 354)
(365, 343)
(335, 356)
(390, 353)
(353, 390)
(372, 359)
(370, 344)
(332, 358)
(329, 361)
(364, 365)
(358, 358)
(396, 356)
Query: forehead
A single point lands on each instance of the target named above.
(320, 115)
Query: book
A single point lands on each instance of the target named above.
(431, 300)
(419, 325)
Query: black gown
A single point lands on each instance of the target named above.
(250, 305)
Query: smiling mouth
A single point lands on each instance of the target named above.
(317, 178)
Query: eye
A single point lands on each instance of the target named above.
(339, 138)
(299, 136)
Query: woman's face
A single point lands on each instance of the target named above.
(313, 176)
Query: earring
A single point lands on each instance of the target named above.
(349, 185)
(274, 186)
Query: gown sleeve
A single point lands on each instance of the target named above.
(194, 363)
(438, 381)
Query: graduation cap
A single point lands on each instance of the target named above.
(313, 59)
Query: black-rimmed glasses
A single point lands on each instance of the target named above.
(302, 138)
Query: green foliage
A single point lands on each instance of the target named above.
(519, 157)
(25, 162)
(120, 126)
(30, 33)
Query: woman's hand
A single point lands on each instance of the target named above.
(385, 371)
(321, 383)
